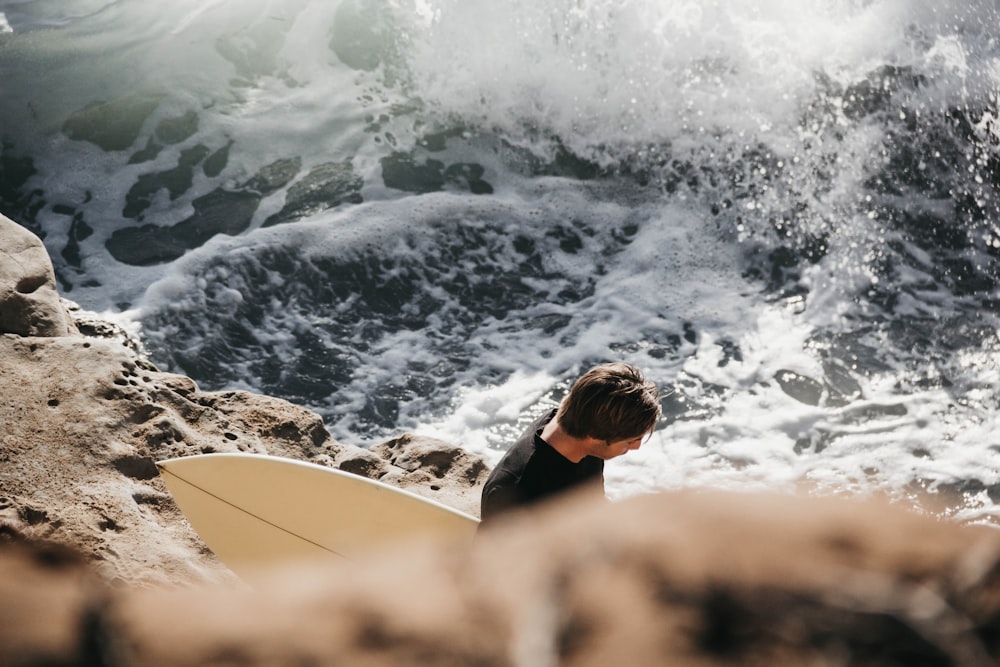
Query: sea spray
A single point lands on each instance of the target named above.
(432, 215)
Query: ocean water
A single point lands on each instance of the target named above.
(431, 215)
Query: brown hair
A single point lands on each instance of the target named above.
(610, 402)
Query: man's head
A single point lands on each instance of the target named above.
(612, 403)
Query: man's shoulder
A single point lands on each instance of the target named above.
(514, 461)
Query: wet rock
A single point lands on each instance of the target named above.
(274, 176)
(217, 161)
(325, 186)
(218, 212)
(401, 172)
(803, 389)
(468, 176)
(147, 154)
(176, 130)
(113, 125)
(16, 199)
(874, 93)
(175, 181)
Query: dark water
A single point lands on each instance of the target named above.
(432, 216)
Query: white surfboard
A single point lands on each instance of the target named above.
(256, 511)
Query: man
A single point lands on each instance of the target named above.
(610, 410)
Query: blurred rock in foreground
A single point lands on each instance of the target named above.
(673, 579)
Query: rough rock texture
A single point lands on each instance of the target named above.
(29, 302)
(432, 468)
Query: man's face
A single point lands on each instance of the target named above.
(613, 449)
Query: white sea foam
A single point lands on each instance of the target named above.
(750, 98)
(605, 75)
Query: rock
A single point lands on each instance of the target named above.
(80, 437)
(694, 579)
(29, 302)
(365, 463)
(218, 212)
(434, 469)
(48, 596)
(113, 125)
(325, 186)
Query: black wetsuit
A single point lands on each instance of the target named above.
(532, 470)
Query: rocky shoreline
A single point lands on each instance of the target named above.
(86, 416)
(98, 566)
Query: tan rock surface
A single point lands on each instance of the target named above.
(29, 302)
(435, 469)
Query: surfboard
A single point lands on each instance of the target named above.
(255, 511)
